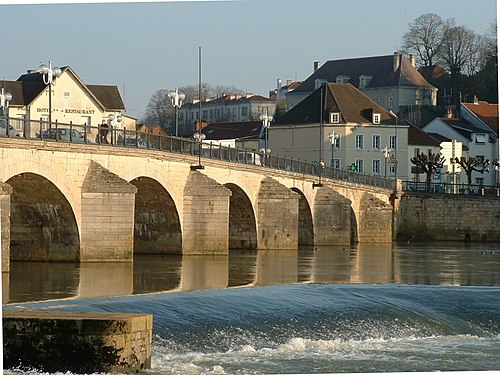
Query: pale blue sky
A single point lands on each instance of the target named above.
(248, 44)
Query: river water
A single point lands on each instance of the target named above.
(369, 308)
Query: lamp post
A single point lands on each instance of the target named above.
(176, 99)
(321, 163)
(199, 137)
(266, 122)
(113, 122)
(5, 98)
(386, 151)
(50, 75)
(334, 143)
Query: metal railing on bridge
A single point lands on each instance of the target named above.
(69, 132)
(449, 188)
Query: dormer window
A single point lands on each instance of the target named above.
(319, 82)
(364, 80)
(342, 79)
(334, 117)
(376, 118)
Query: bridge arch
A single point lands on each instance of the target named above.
(242, 223)
(157, 226)
(305, 227)
(43, 225)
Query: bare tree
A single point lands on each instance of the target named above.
(159, 110)
(424, 38)
(460, 48)
(472, 164)
(428, 163)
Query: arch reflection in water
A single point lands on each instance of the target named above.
(452, 264)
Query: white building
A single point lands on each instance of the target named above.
(351, 131)
(392, 81)
(227, 108)
(73, 102)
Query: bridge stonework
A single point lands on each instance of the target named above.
(118, 200)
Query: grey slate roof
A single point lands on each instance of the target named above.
(380, 67)
(353, 106)
(233, 130)
(29, 86)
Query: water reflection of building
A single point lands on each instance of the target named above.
(105, 280)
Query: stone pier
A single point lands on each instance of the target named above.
(56, 341)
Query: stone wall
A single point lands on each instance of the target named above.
(5, 192)
(426, 217)
(56, 341)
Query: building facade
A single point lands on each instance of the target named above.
(342, 127)
(72, 102)
(391, 81)
(227, 108)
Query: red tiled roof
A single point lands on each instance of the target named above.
(487, 112)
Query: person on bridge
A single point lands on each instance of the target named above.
(103, 131)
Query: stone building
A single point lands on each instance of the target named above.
(73, 101)
(392, 81)
(344, 128)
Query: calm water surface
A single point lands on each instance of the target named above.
(370, 308)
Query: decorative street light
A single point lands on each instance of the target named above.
(266, 121)
(176, 103)
(199, 137)
(50, 75)
(334, 143)
(321, 163)
(386, 151)
(5, 98)
(114, 122)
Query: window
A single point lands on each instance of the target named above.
(480, 181)
(342, 79)
(480, 139)
(380, 101)
(480, 158)
(359, 141)
(335, 163)
(244, 111)
(392, 142)
(319, 82)
(376, 166)
(376, 142)
(392, 169)
(334, 117)
(66, 94)
(376, 118)
(359, 165)
(391, 102)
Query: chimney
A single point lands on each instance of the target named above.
(397, 60)
(413, 60)
(288, 82)
(316, 65)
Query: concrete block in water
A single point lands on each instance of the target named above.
(77, 341)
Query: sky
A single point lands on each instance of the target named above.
(142, 47)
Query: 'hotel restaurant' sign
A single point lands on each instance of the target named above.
(68, 110)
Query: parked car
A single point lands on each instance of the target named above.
(135, 142)
(65, 135)
(3, 129)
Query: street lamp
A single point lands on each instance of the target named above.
(114, 121)
(334, 143)
(50, 75)
(176, 103)
(5, 98)
(321, 163)
(198, 137)
(266, 122)
(386, 151)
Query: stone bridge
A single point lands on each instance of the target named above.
(91, 203)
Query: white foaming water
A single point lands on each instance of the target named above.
(301, 355)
